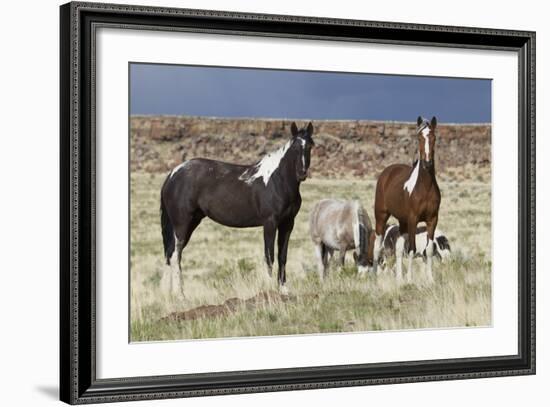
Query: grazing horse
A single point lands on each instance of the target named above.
(442, 248)
(335, 224)
(411, 195)
(265, 194)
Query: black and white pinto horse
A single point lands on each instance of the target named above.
(390, 242)
(265, 194)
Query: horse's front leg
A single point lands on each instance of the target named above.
(283, 237)
(430, 228)
(342, 257)
(376, 243)
(269, 245)
(412, 246)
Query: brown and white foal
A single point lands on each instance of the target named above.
(411, 195)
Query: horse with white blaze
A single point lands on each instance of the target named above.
(336, 224)
(411, 195)
(265, 194)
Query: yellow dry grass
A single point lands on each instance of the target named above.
(222, 263)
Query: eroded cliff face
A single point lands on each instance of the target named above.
(343, 149)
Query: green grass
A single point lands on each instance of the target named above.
(222, 263)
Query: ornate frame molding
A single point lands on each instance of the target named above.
(78, 383)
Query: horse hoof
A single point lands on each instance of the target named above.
(362, 270)
(283, 290)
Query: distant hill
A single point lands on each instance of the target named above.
(344, 149)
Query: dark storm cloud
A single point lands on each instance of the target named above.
(237, 92)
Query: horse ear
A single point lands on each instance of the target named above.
(294, 129)
(419, 121)
(310, 128)
(433, 123)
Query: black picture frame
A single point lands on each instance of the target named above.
(78, 382)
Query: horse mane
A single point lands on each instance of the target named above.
(266, 166)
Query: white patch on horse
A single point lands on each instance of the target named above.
(429, 256)
(421, 241)
(303, 152)
(179, 167)
(388, 230)
(425, 134)
(399, 248)
(410, 266)
(411, 182)
(266, 166)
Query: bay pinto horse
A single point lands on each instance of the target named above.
(411, 195)
(336, 224)
(265, 194)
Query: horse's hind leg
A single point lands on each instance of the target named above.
(183, 232)
(321, 254)
(431, 225)
(399, 249)
(412, 224)
(327, 254)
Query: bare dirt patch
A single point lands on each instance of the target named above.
(262, 299)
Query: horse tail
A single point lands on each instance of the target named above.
(314, 220)
(167, 229)
(361, 226)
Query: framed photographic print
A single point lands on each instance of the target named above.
(255, 203)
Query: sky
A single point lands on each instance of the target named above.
(157, 89)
